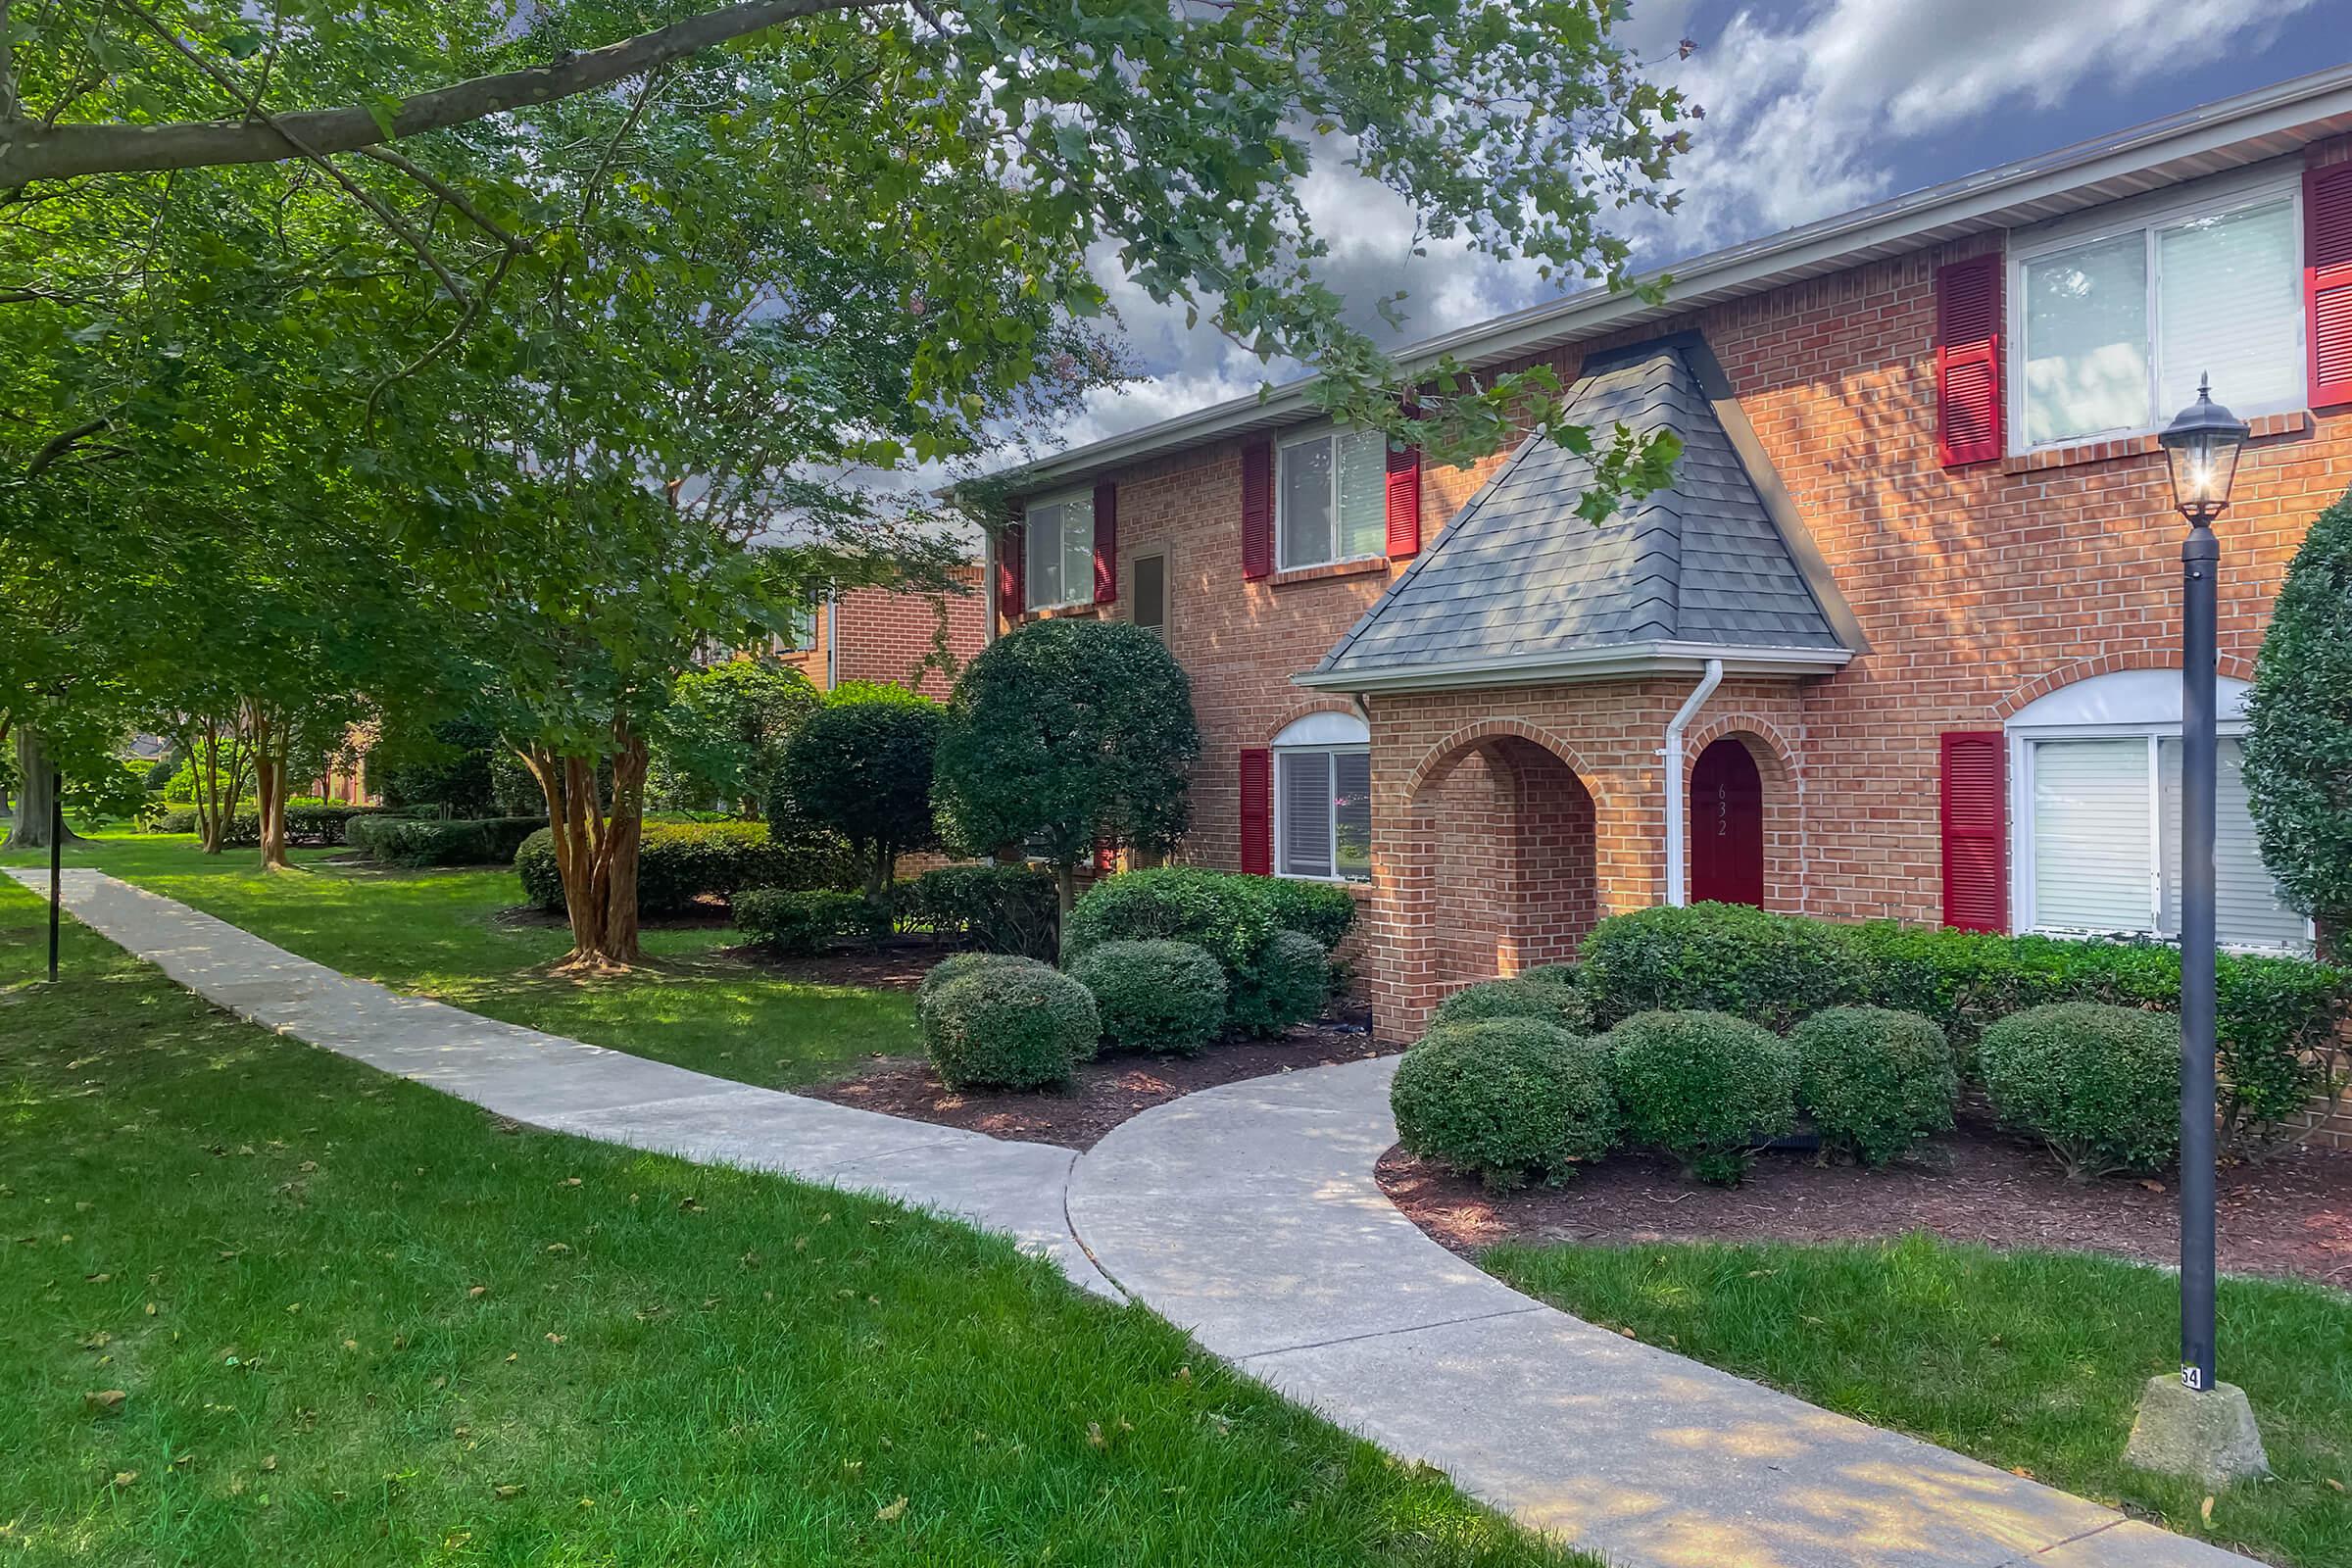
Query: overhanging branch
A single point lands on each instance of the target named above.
(31, 151)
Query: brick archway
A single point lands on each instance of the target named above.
(1775, 754)
(1490, 873)
(2229, 665)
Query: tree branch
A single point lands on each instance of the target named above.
(58, 445)
(30, 151)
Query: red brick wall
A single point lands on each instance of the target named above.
(896, 636)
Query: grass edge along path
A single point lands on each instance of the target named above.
(439, 934)
(270, 1306)
(2031, 1361)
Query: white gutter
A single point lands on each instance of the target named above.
(1630, 660)
(833, 640)
(1677, 872)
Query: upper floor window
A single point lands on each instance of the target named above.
(1323, 799)
(1059, 552)
(2097, 786)
(800, 629)
(1148, 595)
(1330, 498)
(2114, 330)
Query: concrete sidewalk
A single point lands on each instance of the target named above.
(1248, 1215)
(563, 1084)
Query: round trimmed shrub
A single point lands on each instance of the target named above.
(1705, 1087)
(1875, 1081)
(1720, 957)
(2099, 1084)
(1524, 997)
(1163, 997)
(1568, 973)
(804, 925)
(955, 966)
(1506, 1098)
(1009, 1026)
(1285, 981)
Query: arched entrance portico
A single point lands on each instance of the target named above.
(1493, 876)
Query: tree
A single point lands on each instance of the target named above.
(2299, 726)
(723, 739)
(862, 765)
(1066, 734)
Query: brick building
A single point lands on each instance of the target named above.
(918, 640)
(1899, 639)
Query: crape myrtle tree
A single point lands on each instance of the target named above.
(2299, 727)
(1066, 734)
(862, 765)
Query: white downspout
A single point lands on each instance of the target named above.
(1677, 871)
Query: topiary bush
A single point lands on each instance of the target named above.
(2099, 1084)
(1524, 998)
(1009, 1026)
(1705, 1087)
(1719, 957)
(1324, 911)
(1875, 1081)
(1506, 1098)
(804, 925)
(998, 908)
(2299, 724)
(678, 863)
(957, 965)
(425, 841)
(1568, 973)
(1286, 981)
(1232, 917)
(1161, 996)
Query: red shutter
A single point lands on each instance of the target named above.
(2327, 282)
(1405, 502)
(1968, 361)
(1974, 830)
(1258, 810)
(1013, 594)
(1258, 508)
(1107, 543)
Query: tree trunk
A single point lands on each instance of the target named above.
(36, 795)
(269, 784)
(596, 849)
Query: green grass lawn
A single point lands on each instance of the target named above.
(2025, 1360)
(436, 933)
(353, 1321)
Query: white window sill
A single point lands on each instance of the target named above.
(2154, 939)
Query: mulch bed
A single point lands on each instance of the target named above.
(1102, 1093)
(2289, 1216)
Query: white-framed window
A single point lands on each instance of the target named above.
(2095, 814)
(1330, 491)
(1058, 549)
(1323, 799)
(2112, 321)
(800, 629)
(1147, 594)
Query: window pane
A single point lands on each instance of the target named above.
(1305, 785)
(1152, 593)
(2228, 301)
(1042, 545)
(2091, 856)
(1351, 790)
(2086, 340)
(1078, 551)
(1306, 503)
(1363, 494)
(2247, 912)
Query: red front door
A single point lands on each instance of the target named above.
(1727, 826)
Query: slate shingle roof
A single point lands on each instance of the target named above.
(1518, 576)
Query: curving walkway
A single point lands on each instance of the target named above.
(1248, 1215)
(565, 1086)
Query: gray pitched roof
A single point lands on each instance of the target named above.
(1518, 578)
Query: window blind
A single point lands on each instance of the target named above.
(2228, 301)
(1351, 790)
(2247, 910)
(2092, 858)
(2086, 340)
(1306, 528)
(1304, 781)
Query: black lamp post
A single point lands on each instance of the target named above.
(2202, 443)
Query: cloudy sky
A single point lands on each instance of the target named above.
(1811, 109)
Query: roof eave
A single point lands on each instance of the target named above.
(1630, 661)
